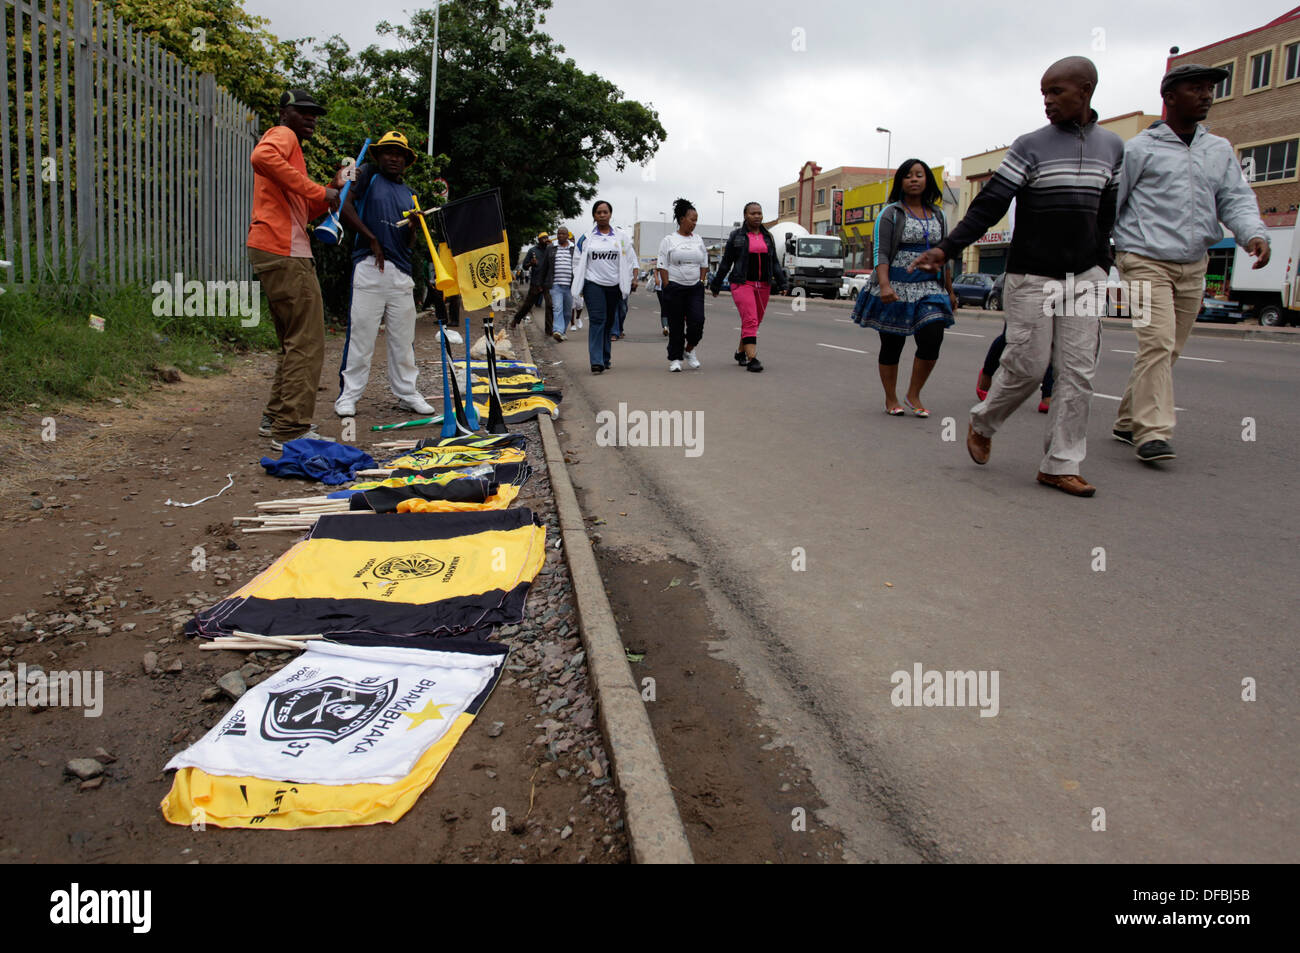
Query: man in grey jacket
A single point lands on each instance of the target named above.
(1178, 182)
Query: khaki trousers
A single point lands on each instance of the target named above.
(1049, 321)
(298, 313)
(1170, 294)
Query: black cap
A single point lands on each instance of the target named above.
(301, 100)
(1190, 71)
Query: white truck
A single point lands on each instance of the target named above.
(1263, 292)
(814, 263)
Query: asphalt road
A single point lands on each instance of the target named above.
(842, 545)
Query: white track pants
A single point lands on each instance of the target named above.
(379, 296)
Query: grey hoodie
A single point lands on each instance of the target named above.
(1172, 196)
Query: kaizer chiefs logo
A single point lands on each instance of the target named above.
(413, 566)
(488, 268)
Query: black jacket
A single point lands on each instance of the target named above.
(541, 262)
(736, 258)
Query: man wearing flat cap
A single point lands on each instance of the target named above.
(279, 248)
(382, 286)
(1177, 184)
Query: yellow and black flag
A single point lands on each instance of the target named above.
(475, 233)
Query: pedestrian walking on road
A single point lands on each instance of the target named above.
(681, 269)
(1179, 181)
(538, 264)
(901, 303)
(562, 256)
(752, 268)
(1065, 178)
(658, 286)
(382, 285)
(279, 249)
(604, 274)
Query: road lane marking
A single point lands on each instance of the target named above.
(838, 348)
(1113, 397)
(965, 334)
(844, 320)
(1181, 357)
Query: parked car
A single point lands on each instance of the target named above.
(993, 302)
(973, 288)
(850, 285)
(1214, 309)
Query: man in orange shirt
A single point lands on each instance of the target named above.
(279, 247)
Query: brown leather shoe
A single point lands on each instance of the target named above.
(978, 445)
(1070, 483)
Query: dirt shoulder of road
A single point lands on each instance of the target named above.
(101, 575)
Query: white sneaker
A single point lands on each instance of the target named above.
(692, 360)
(579, 323)
(417, 405)
(345, 410)
(674, 366)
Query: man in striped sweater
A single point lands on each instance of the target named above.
(561, 278)
(1064, 178)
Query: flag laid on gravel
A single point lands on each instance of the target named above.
(343, 735)
(390, 574)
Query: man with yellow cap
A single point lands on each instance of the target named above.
(539, 263)
(382, 287)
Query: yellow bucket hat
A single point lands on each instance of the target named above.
(395, 140)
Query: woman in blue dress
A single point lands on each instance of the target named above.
(899, 303)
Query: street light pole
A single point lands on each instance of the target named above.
(889, 144)
(433, 70)
(722, 212)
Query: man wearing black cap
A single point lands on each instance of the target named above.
(284, 200)
(1178, 182)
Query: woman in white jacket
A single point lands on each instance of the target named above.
(603, 275)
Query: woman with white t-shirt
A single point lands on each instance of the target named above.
(682, 267)
(603, 275)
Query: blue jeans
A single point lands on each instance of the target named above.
(603, 302)
(620, 312)
(561, 308)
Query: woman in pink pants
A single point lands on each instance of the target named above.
(751, 266)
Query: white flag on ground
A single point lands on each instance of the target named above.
(344, 714)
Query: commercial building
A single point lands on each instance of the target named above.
(808, 201)
(855, 220)
(989, 253)
(1257, 108)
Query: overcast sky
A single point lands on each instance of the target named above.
(744, 107)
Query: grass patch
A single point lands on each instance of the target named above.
(49, 352)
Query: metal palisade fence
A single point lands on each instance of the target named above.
(119, 162)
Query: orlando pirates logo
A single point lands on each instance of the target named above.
(488, 268)
(330, 709)
(414, 566)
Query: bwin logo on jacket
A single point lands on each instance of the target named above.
(604, 256)
(330, 709)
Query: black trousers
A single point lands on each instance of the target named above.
(534, 291)
(929, 339)
(683, 306)
(447, 309)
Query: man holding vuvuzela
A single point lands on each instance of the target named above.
(382, 286)
(1178, 182)
(279, 248)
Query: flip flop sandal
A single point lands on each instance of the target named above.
(896, 412)
(918, 411)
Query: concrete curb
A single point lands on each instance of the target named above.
(654, 828)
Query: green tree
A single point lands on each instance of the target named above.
(246, 58)
(511, 112)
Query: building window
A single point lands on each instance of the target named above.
(1271, 162)
(821, 196)
(1261, 70)
(1223, 89)
(1291, 62)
